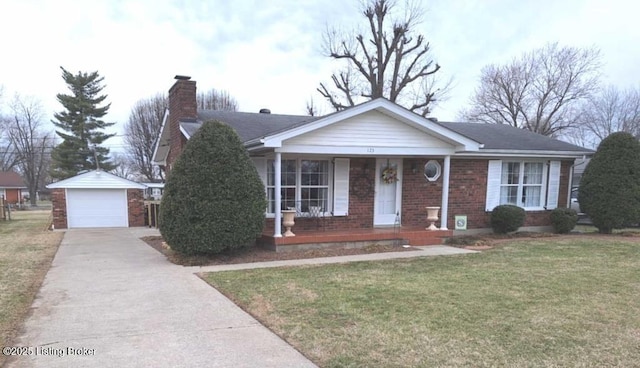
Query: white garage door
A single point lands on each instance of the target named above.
(97, 208)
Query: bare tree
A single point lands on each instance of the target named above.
(141, 135)
(8, 156)
(388, 60)
(611, 110)
(126, 166)
(580, 136)
(312, 108)
(31, 143)
(214, 99)
(145, 123)
(539, 91)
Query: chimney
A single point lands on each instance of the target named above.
(182, 105)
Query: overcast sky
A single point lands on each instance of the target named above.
(267, 53)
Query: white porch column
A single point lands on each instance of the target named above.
(444, 207)
(277, 168)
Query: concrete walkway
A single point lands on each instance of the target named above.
(110, 300)
(426, 251)
(121, 301)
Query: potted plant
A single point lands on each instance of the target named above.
(432, 216)
(288, 220)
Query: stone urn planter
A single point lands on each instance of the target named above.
(432, 216)
(288, 221)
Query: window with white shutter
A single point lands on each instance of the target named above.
(554, 185)
(523, 184)
(341, 187)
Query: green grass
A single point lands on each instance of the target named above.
(587, 229)
(26, 251)
(548, 302)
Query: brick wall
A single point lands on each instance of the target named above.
(59, 205)
(13, 196)
(565, 179)
(467, 196)
(418, 193)
(135, 204)
(468, 192)
(182, 105)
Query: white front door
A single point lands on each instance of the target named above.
(388, 196)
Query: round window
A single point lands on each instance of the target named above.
(432, 170)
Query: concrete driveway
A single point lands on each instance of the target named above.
(110, 300)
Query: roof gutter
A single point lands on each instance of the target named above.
(525, 153)
(254, 143)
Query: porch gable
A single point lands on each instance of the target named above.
(377, 127)
(370, 129)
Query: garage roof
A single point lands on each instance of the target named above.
(96, 180)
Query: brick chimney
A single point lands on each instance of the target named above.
(182, 105)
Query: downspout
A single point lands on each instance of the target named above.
(570, 183)
(546, 187)
(444, 211)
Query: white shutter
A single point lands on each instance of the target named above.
(340, 187)
(494, 179)
(554, 185)
(261, 166)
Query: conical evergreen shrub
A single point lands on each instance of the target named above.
(609, 191)
(213, 199)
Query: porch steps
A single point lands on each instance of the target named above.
(355, 238)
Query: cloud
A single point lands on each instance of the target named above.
(268, 54)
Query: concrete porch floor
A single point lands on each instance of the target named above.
(351, 238)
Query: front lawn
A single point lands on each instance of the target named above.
(26, 251)
(570, 301)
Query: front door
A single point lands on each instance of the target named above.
(388, 195)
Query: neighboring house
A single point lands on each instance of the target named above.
(12, 187)
(153, 191)
(578, 169)
(379, 165)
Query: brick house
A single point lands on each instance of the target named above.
(378, 165)
(11, 187)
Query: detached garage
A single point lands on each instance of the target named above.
(97, 199)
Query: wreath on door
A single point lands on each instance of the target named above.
(389, 175)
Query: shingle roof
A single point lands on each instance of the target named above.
(250, 126)
(253, 125)
(10, 179)
(506, 137)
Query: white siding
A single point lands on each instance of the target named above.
(261, 166)
(372, 129)
(341, 187)
(554, 185)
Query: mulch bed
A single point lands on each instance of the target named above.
(257, 254)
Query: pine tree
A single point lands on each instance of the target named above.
(81, 127)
